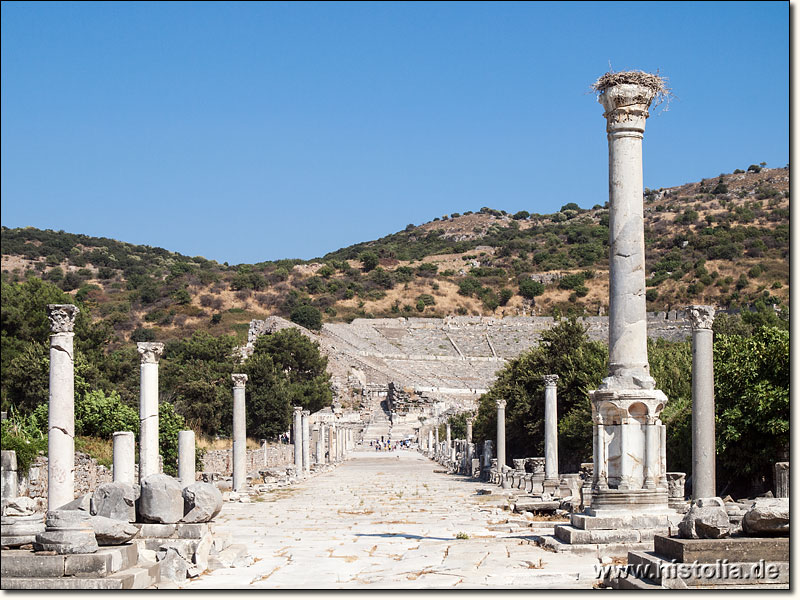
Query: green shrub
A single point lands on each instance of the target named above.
(307, 316)
(528, 288)
(369, 260)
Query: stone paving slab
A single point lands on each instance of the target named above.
(387, 520)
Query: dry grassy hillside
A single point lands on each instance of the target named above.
(722, 241)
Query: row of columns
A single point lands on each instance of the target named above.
(61, 421)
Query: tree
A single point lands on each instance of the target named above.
(528, 288)
(566, 351)
(751, 390)
(285, 370)
(308, 316)
(369, 260)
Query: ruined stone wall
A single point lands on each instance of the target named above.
(269, 455)
(88, 475)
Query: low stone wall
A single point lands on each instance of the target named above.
(88, 475)
(269, 455)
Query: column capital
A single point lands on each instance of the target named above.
(297, 409)
(501, 403)
(239, 379)
(550, 380)
(62, 317)
(625, 98)
(305, 413)
(701, 316)
(150, 352)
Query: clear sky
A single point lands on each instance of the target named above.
(253, 131)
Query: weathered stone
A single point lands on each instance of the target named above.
(172, 566)
(21, 506)
(80, 503)
(767, 517)
(109, 531)
(733, 549)
(781, 479)
(67, 541)
(161, 499)
(705, 520)
(202, 552)
(115, 501)
(202, 502)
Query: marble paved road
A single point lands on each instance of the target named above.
(387, 520)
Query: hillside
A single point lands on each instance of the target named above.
(722, 241)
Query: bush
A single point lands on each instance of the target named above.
(369, 260)
(651, 295)
(143, 334)
(100, 415)
(307, 316)
(528, 288)
(426, 299)
(505, 295)
(754, 169)
(169, 424)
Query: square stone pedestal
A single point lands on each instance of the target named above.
(728, 563)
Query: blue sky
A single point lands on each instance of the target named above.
(252, 131)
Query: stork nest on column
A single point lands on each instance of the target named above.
(654, 82)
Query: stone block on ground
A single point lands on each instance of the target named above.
(18, 531)
(234, 555)
(110, 532)
(202, 552)
(67, 532)
(705, 520)
(116, 501)
(21, 506)
(202, 502)
(80, 503)
(172, 566)
(161, 499)
(767, 517)
(740, 549)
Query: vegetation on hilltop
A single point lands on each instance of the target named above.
(721, 241)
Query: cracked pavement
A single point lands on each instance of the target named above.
(389, 520)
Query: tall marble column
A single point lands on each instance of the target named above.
(306, 441)
(331, 447)
(298, 440)
(430, 441)
(627, 405)
(501, 434)
(448, 438)
(186, 457)
(149, 353)
(437, 448)
(61, 407)
(703, 435)
(124, 457)
(550, 430)
(239, 432)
